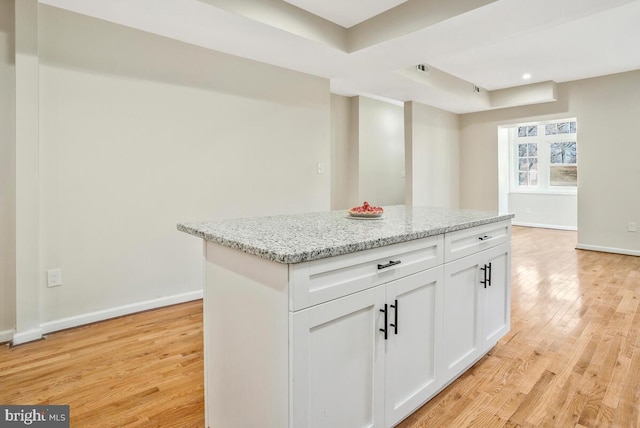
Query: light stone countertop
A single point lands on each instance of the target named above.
(297, 238)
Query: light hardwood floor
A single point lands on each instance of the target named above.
(572, 357)
(142, 370)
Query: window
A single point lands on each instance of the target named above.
(528, 164)
(544, 157)
(527, 131)
(563, 167)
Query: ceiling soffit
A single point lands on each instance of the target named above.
(410, 16)
(346, 13)
(475, 42)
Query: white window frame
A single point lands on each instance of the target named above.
(544, 161)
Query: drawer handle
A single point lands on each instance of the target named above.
(487, 275)
(485, 237)
(385, 330)
(391, 263)
(395, 314)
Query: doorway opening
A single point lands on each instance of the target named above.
(538, 173)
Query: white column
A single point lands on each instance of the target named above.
(28, 276)
(7, 172)
(432, 156)
(408, 153)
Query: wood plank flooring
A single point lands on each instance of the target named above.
(572, 358)
(141, 370)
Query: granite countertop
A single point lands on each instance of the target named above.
(298, 238)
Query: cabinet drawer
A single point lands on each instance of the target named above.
(462, 243)
(319, 281)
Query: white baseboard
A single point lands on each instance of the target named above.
(608, 249)
(544, 226)
(27, 336)
(6, 336)
(91, 317)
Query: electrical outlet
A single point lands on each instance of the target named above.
(54, 277)
(632, 226)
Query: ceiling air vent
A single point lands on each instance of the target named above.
(423, 68)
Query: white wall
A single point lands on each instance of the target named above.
(367, 152)
(432, 144)
(138, 133)
(606, 109)
(381, 152)
(609, 172)
(7, 169)
(557, 211)
(341, 124)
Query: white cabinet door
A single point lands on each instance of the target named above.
(344, 373)
(497, 295)
(415, 310)
(477, 306)
(337, 363)
(462, 317)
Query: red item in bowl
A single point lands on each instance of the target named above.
(366, 209)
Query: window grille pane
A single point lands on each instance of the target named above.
(533, 164)
(564, 128)
(532, 149)
(561, 175)
(532, 131)
(522, 150)
(570, 153)
(533, 178)
(523, 164)
(550, 129)
(523, 179)
(562, 153)
(573, 127)
(522, 131)
(556, 153)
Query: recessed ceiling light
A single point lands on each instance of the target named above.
(526, 76)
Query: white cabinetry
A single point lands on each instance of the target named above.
(338, 363)
(462, 315)
(496, 320)
(347, 374)
(367, 359)
(477, 295)
(411, 375)
(359, 340)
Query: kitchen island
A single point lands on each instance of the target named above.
(324, 320)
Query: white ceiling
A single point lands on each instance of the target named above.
(490, 46)
(346, 13)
